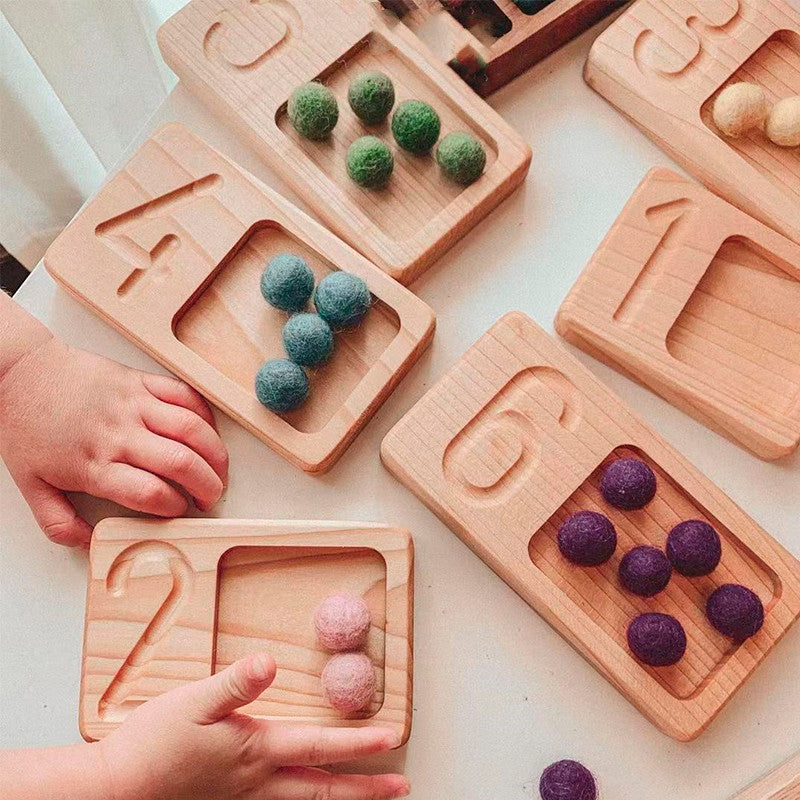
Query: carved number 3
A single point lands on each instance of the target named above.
(122, 683)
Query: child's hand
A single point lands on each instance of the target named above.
(73, 421)
(191, 744)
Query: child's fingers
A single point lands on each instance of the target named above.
(56, 515)
(177, 463)
(137, 489)
(302, 783)
(313, 746)
(185, 426)
(171, 390)
(242, 682)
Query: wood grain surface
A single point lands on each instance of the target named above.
(663, 62)
(698, 301)
(244, 60)
(512, 440)
(782, 784)
(175, 601)
(171, 252)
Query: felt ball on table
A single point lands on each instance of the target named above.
(281, 385)
(342, 622)
(342, 299)
(531, 6)
(783, 122)
(645, 571)
(738, 108)
(369, 162)
(308, 339)
(461, 157)
(735, 611)
(694, 548)
(371, 96)
(313, 110)
(567, 780)
(587, 538)
(628, 483)
(287, 282)
(415, 126)
(657, 639)
(348, 682)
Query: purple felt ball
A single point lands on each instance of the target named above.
(567, 780)
(587, 538)
(645, 570)
(735, 611)
(628, 483)
(657, 639)
(694, 548)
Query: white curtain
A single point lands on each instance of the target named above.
(79, 78)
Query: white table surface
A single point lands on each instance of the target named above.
(498, 694)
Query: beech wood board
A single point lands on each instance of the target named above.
(171, 253)
(531, 38)
(663, 62)
(175, 601)
(701, 303)
(244, 59)
(782, 784)
(513, 440)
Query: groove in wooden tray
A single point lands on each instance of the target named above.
(235, 330)
(418, 190)
(281, 588)
(596, 591)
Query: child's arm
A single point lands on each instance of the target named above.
(193, 744)
(71, 421)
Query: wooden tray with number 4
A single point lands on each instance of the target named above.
(176, 601)
(171, 252)
(511, 442)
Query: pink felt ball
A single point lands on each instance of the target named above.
(342, 622)
(348, 681)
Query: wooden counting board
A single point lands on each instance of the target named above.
(176, 601)
(699, 302)
(487, 62)
(171, 252)
(244, 59)
(782, 784)
(512, 441)
(663, 62)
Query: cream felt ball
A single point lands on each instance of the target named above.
(348, 681)
(342, 622)
(308, 339)
(738, 108)
(313, 110)
(342, 299)
(783, 122)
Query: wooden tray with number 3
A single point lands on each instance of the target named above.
(179, 600)
(514, 439)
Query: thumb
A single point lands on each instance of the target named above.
(242, 682)
(56, 515)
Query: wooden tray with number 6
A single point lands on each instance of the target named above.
(175, 601)
(513, 440)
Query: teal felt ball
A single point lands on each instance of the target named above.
(415, 126)
(461, 157)
(308, 339)
(313, 110)
(281, 385)
(371, 96)
(287, 282)
(369, 162)
(342, 299)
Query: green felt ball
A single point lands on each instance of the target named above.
(531, 6)
(369, 162)
(371, 96)
(313, 110)
(281, 385)
(287, 282)
(308, 339)
(415, 126)
(342, 299)
(461, 156)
